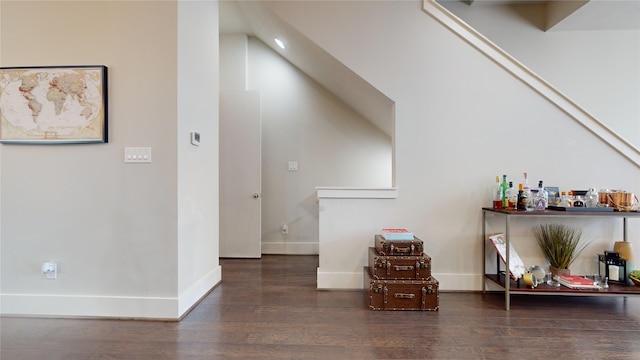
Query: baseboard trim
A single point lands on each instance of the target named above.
(290, 248)
(339, 280)
(196, 292)
(120, 307)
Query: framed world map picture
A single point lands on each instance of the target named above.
(49, 105)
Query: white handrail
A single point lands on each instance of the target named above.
(506, 61)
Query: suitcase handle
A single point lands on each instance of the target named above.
(402, 250)
(403, 268)
(404, 296)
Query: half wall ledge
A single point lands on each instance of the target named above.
(356, 193)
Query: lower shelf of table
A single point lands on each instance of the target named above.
(544, 289)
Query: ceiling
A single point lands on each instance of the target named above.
(252, 18)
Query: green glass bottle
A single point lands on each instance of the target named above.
(504, 185)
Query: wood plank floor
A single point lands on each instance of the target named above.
(270, 309)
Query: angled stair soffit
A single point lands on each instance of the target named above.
(503, 59)
(565, 15)
(557, 11)
(311, 59)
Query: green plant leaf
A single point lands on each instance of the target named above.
(559, 243)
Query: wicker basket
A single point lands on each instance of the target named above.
(634, 279)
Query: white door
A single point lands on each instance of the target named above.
(240, 165)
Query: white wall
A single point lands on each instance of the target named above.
(198, 198)
(460, 121)
(302, 122)
(331, 143)
(124, 235)
(598, 68)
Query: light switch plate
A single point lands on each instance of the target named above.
(293, 166)
(137, 155)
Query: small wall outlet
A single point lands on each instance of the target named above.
(284, 229)
(50, 270)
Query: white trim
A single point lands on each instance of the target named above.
(189, 298)
(290, 248)
(90, 306)
(340, 280)
(127, 307)
(356, 193)
(520, 71)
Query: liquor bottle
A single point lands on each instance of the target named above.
(512, 197)
(540, 199)
(497, 195)
(522, 200)
(525, 183)
(591, 198)
(503, 191)
(564, 200)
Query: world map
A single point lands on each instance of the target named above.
(51, 103)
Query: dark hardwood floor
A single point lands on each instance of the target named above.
(270, 309)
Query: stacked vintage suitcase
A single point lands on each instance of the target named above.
(399, 276)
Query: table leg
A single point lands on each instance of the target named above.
(507, 271)
(484, 250)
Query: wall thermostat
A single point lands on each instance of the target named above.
(195, 138)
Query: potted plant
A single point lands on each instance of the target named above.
(560, 245)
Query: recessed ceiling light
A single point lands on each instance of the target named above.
(279, 43)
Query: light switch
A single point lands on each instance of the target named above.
(293, 166)
(137, 155)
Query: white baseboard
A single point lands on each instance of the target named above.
(127, 307)
(290, 248)
(340, 280)
(355, 280)
(164, 308)
(190, 298)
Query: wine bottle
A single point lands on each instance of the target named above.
(503, 191)
(497, 197)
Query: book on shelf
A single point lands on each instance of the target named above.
(576, 282)
(397, 234)
(516, 266)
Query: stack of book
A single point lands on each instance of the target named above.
(391, 234)
(577, 282)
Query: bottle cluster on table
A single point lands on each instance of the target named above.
(506, 196)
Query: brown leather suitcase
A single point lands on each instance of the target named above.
(401, 294)
(398, 247)
(417, 267)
